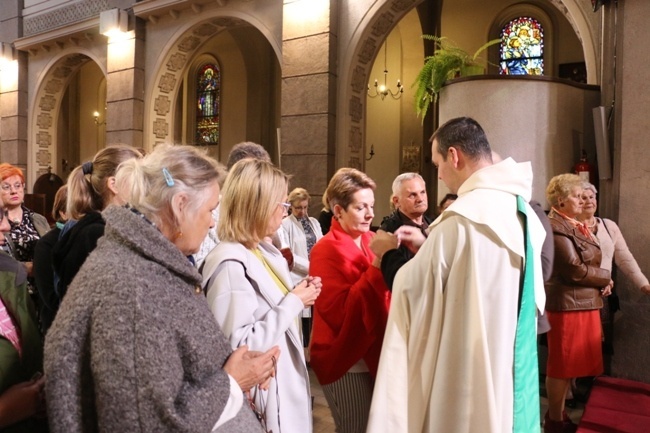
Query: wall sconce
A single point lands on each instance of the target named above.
(96, 118)
(113, 22)
(372, 151)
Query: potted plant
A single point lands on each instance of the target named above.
(448, 61)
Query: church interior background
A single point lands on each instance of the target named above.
(297, 76)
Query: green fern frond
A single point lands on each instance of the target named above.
(445, 63)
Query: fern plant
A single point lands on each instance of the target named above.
(447, 62)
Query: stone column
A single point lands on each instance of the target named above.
(13, 90)
(309, 94)
(125, 88)
(632, 137)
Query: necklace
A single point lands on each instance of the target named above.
(593, 225)
(14, 219)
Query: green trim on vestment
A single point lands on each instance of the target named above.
(526, 371)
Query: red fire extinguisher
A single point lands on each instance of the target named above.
(584, 169)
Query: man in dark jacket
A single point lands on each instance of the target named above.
(410, 202)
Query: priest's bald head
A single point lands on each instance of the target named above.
(458, 149)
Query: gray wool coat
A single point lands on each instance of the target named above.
(134, 346)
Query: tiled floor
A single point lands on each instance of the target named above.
(323, 422)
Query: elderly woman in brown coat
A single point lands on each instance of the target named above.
(574, 296)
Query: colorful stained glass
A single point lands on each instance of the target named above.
(208, 89)
(522, 47)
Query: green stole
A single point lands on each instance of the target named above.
(526, 370)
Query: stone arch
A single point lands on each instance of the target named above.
(366, 42)
(364, 46)
(164, 86)
(586, 33)
(46, 105)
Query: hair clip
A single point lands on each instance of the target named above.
(168, 177)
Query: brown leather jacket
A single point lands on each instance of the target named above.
(577, 276)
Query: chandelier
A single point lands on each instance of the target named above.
(382, 90)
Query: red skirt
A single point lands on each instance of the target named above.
(574, 344)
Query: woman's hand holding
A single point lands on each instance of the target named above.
(381, 243)
(608, 289)
(308, 290)
(250, 368)
(29, 267)
(22, 401)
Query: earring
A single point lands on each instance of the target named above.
(561, 204)
(178, 235)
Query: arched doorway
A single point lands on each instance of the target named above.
(64, 131)
(249, 86)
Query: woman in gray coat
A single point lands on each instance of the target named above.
(134, 346)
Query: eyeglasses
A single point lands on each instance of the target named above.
(285, 207)
(16, 187)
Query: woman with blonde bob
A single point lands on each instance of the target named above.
(134, 344)
(573, 297)
(251, 294)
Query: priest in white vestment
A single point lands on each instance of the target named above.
(447, 361)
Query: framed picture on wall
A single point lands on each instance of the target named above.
(411, 158)
(574, 71)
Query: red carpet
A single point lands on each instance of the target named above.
(617, 406)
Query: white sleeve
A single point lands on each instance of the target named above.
(233, 405)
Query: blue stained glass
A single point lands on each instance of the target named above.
(522, 47)
(207, 109)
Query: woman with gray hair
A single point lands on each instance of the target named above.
(134, 345)
(573, 297)
(614, 250)
(612, 243)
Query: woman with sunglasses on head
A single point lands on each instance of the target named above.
(251, 294)
(27, 226)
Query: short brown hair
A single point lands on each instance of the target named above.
(344, 184)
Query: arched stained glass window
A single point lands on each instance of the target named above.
(522, 47)
(208, 90)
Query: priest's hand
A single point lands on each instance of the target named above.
(412, 237)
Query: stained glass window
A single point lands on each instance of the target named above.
(208, 90)
(522, 47)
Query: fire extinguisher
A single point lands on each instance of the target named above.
(584, 169)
